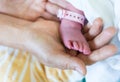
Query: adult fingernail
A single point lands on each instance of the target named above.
(80, 72)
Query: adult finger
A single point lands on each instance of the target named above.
(95, 29)
(99, 54)
(66, 61)
(102, 53)
(62, 3)
(49, 16)
(102, 38)
(86, 28)
(52, 8)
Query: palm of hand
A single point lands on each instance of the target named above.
(45, 43)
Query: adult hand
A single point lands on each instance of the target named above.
(42, 39)
(29, 9)
(33, 9)
(47, 46)
(98, 40)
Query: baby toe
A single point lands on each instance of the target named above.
(75, 45)
(80, 47)
(68, 44)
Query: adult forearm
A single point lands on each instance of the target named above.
(13, 31)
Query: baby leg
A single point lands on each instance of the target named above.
(72, 36)
(71, 33)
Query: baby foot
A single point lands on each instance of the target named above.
(72, 37)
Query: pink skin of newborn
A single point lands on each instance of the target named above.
(72, 36)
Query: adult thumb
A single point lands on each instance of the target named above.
(66, 61)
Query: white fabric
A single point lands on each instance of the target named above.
(109, 10)
(117, 14)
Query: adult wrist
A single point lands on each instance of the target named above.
(13, 32)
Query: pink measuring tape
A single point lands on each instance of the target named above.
(65, 14)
